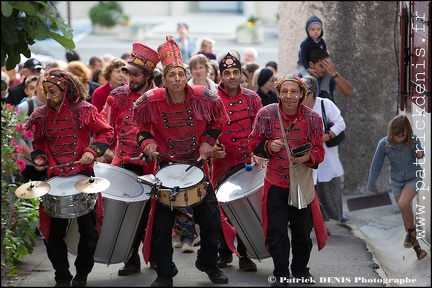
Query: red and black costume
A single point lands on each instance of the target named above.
(276, 212)
(242, 110)
(179, 130)
(121, 113)
(63, 137)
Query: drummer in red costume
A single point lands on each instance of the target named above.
(182, 123)
(266, 140)
(119, 111)
(233, 152)
(69, 129)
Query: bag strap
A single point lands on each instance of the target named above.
(324, 116)
(30, 106)
(283, 136)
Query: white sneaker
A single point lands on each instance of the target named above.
(187, 247)
(176, 242)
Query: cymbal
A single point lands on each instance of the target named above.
(32, 189)
(92, 185)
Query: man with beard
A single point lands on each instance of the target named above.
(118, 111)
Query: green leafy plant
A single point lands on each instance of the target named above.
(19, 218)
(23, 22)
(108, 14)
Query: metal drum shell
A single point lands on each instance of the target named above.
(64, 200)
(124, 203)
(240, 196)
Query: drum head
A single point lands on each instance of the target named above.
(175, 175)
(241, 184)
(64, 185)
(124, 185)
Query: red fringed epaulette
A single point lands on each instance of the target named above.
(254, 100)
(147, 108)
(84, 113)
(121, 96)
(267, 116)
(314, 122)
(207, 105)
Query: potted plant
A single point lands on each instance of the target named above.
(250, 32)
(106, 15)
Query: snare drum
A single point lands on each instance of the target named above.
(180, 188)
(240, 196)
(64, 201)
(124, 203)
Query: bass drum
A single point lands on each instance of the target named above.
(123, 203)
(240, 197)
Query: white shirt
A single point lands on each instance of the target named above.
(331, 167)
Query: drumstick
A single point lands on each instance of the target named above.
(28, 159)
(249, 167)
(190, 166)
(65, 164)
(110, 100)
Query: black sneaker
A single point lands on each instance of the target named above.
(304, 278)
(162, 282)
(79, 281)
(246, 264)
(224, 260)
(62, 283)
(215, 275)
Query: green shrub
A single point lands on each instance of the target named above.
(107, 13)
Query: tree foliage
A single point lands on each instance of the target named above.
(24, 22)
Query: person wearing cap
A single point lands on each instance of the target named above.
(119, 113)
(264, 79)
(313, 40)
(31, 67)
(288, 124)
(182, 123)
(242, 105)
(69, 134)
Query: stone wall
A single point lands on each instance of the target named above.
(361, 38)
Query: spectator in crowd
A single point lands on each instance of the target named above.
(272, 65)
(214, 71)
(31, 66)
(72, 56)
(186, 43)
(79, 69)
(327, 177)
(313, 40)
(250, 55)
(264, 79)
(115, 77)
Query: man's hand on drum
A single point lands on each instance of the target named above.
(87, 158)
(205, 150)
(259, 162)
(150, 150)
(218, 151)
(108, 155)
(40, 163)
